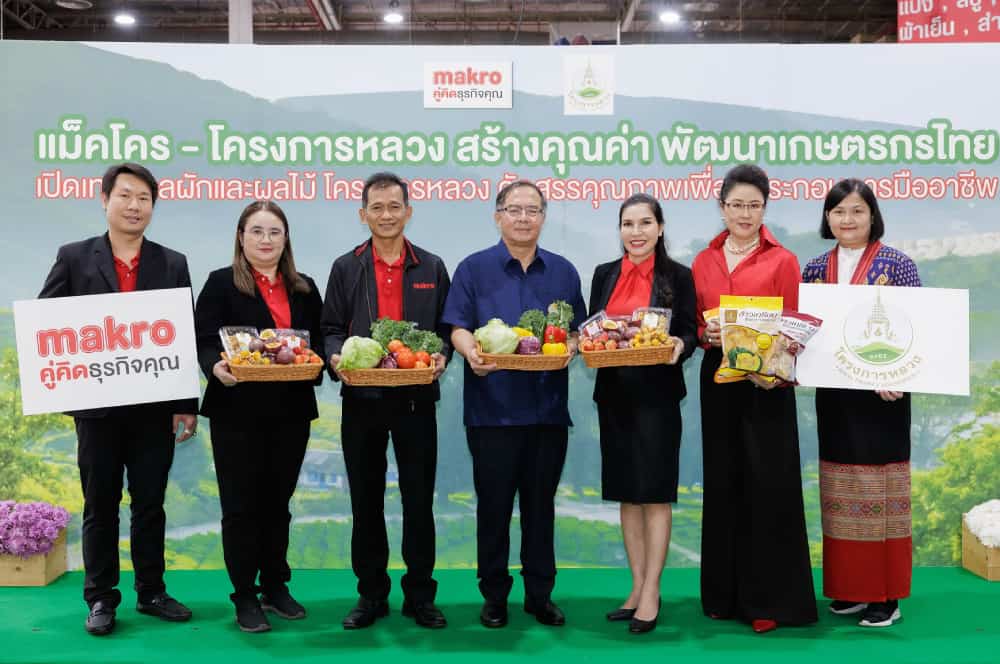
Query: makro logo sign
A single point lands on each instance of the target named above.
(463, 84)
(588, 85)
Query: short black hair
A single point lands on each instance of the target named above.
(507, 188)
(381, 181)
(745, 174)
(842, 190)
(129, 168)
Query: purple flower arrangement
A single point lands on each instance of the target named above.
(28, 529)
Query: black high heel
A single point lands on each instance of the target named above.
(640, 626)
(619, 615)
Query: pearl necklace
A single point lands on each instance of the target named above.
(739, 251)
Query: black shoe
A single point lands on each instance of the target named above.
(283, 604)
(546, 613)
(101, 620)
(881, 614)
(366, 613)
(619, 615)
(493, 614)
(165, 607)
(425, 614)
(639, 626)
(250, 615)
(843, 608)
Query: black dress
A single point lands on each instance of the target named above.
(638, 408)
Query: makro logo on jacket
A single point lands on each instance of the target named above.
(464, 84)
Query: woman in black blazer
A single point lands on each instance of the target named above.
(259, 430)
(639, 407)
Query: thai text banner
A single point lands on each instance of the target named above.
(95, 351)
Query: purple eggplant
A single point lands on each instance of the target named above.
(528, 346)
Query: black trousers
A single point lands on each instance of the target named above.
(364, 434)
(528, 461)
(257, 463)
(138, 441)
(754, 547)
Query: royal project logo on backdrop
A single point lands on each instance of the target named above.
(588, 85)
(463, 84)
(877, 343)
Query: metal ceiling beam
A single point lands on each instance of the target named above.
(28, 15)
(629, 15)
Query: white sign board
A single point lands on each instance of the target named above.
(95, 351)
(887, 337)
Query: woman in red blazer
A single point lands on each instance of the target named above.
(259, 430)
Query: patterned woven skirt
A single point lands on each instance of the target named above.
(864, 451)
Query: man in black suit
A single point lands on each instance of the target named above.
(137, 439)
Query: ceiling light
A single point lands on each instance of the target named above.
(74, 4)
(393, 16)
(124, 19)
(670, 17)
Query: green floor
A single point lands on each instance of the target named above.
(953, 617)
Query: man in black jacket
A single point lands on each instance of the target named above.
(137, 439)
(387, 276)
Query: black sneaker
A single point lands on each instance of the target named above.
(881, 614)
(283, 604)
(250, 616)
(843, 608)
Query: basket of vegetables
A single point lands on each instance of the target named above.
(536, 343)
(396, 354)
(269, 355)
(642, 339)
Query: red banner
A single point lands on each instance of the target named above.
(948, 21)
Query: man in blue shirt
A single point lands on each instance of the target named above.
(516, 421)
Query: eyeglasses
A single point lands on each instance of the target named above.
(739, 207)
(517, 211)
(259, 234)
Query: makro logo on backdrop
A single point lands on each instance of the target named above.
(464, 84)
(588, 85)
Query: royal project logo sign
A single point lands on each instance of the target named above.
(588, 85)
(463, 84)
(96, 351)
(887, 337)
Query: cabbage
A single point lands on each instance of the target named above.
(496, 337)
(360, 353)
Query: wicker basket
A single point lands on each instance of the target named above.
(628, 357)
(273, 373)
(513, 362)
(388, 377)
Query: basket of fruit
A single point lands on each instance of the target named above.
(536, 343)
(642, 339)
(270, 355)
(396, 354)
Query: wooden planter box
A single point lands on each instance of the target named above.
(39, 570)
(978, 558)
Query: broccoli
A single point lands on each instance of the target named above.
(534, 321)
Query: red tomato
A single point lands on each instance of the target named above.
(395, 346)
(424, 356)
(405, 359)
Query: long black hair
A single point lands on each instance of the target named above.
(662, 271)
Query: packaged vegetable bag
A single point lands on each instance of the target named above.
(750, 325)
(796, 329)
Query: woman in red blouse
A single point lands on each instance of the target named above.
(639, 407)
(259, 430)
(754, 550)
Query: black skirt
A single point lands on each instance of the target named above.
(640, 449)
(755, 551)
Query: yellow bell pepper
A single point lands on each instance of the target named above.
(521, 332)
(554, 349)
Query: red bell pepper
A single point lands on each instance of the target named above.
(555, 334)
